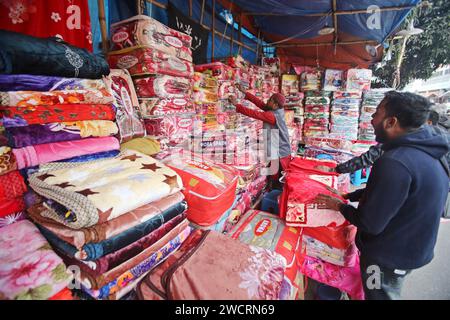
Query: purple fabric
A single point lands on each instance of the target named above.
(28, 82)
(20, 137)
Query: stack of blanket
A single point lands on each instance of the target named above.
(114, 219)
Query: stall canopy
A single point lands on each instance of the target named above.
(291, 26)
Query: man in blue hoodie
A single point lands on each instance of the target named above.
(399, 211)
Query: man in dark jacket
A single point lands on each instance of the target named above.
(399, 211)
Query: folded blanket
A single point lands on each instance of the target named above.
(100, 191)
(12, 218)
(110, 261)
(38, 98)
(20, 53)
(149, 258)
(108, 229)
(12, 185)
(98, 281)
(145, 31)
(43, 153)
(151, 107)
(20, 137)
(7, 160)
(10, 206)
(24, 116)
(147, 60)
(162, 87)
(127, 105)
(146, 146)
(93, 251)
(29, 269)
(93, 157)
(29, 82)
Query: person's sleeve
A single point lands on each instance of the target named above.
(363, 161)
(385, 194)
(265, 116)
(253, 99)
(355, 195)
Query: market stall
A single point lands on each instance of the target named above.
(127, 173)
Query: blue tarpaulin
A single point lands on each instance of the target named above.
(290, 22)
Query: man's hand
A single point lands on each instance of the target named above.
(325, 169)
(330, 202)
(232, 100)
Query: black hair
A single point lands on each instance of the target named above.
(410, 109)
(434, 117)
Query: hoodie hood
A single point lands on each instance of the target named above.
(425, 139)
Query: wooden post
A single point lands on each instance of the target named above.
(102, 20)
(335, 25)
(232, 36)
(190, 8)
(258, 45)
(202, 13)
(213, 28)
(139, 7)
(240, 33)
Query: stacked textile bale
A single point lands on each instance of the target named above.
(357, 80)
(113, 219)
(345, 115)
(290, 89)
(317, 114)
(160, 62)
(333, 80)
(55, 125)
(370, 102)
(327, 239)
(54, 107)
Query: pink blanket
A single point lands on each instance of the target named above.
(49, 152)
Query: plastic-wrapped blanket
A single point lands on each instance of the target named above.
(145, 31)
(147, 61)
(127, 105)
(333, 79)
(340, 257)
(204, 180)
(10, 206)
(100, 191)
(358, 80)
(173, 128)
(310, 80)
(216, 69)
(162, 87)
(160, 107)
(26, 255)
(34, 134)
(265, 230)
(43, 153)
(29, 82)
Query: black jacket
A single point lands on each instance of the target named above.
(399, 211)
